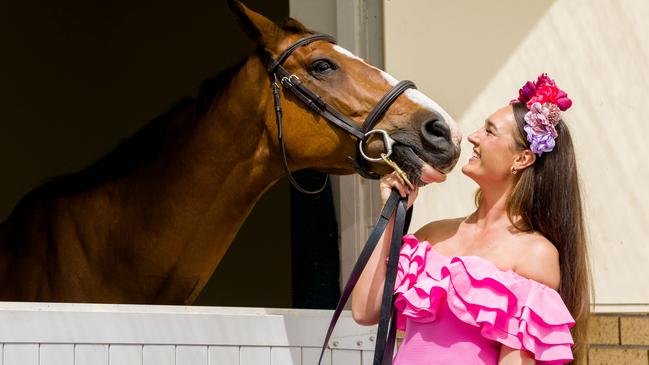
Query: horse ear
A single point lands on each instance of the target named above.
(257, 26)
(291, 25)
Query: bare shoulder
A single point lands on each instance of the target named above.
(538, 260)
(438, 230)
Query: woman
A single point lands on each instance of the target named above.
(505, 284)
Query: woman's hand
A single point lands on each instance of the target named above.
(393, 180)
(368, 292)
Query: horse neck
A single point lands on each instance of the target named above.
(216, 167)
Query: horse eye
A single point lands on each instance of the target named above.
(322, 67)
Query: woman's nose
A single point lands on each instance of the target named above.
(473, 138)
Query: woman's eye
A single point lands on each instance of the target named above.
(489, 131)
(322, 67)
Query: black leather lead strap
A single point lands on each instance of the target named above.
(387, 327)
(357, 270)
(392, 334)
(394, 202)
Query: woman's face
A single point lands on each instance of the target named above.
(494, 148)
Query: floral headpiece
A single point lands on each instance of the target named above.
(545, 101)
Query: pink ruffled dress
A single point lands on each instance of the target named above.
(461, 309)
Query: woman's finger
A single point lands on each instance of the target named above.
(399, 184)
(393, 180)
(413, 196)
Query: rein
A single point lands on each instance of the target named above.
(386, 333)
(293, 83)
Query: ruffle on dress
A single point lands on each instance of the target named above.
(516, 311)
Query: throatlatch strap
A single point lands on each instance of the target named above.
(282, 148)
(402, 220)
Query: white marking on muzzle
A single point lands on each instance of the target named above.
(414, 95)
(427, 103)
(420, 98)
(389, 78)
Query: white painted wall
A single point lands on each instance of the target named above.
(473, 56)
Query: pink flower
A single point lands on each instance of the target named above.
(544, 90)
(537, 119)
(545, 101)
(544, 94)
(554, 114)
(562, 101)
(544, 80)
(539, 143)
(526, 92)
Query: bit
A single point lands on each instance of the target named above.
(397, 169)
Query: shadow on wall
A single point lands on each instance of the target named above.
(78, 77)
(462, 60)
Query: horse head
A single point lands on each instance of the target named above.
(427, 139)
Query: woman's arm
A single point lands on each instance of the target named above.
(510, 356)
(366, 296)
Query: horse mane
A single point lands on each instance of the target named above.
(142, 147)
(146, 144)
(212, 87)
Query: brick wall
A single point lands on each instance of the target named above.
(619, 339)
(616, 339)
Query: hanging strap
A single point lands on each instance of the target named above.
(387, 324)
(387, 328)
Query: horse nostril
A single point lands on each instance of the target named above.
(435, 129)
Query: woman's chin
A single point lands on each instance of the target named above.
(468, 170)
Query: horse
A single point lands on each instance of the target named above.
(150, 221)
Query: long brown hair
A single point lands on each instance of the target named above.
(546, 198)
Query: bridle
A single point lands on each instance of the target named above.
(293, 83)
